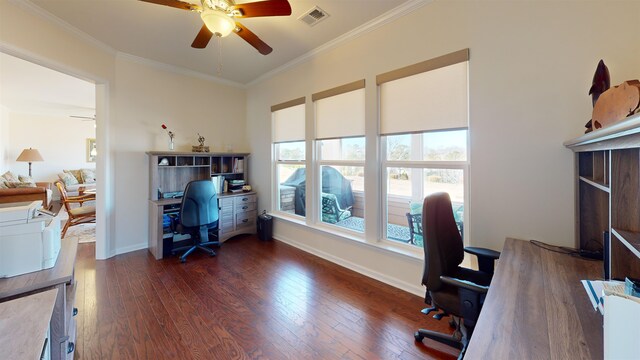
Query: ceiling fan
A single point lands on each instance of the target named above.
(218, 17)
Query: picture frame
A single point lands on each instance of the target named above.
(91, 150)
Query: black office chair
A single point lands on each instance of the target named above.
(198, 217)
(454, 290)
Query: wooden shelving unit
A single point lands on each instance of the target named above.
(608, 194)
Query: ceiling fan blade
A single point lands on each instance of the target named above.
(262, 8)
(175, 4)
(252, 39)
(202, 39)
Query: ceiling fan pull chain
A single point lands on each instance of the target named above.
(219, 69)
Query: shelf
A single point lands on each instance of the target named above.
(596, 184)
(181, 166)
(630, 239)
(591, 141)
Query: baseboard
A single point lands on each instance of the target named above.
(410, 288)
(129, 248)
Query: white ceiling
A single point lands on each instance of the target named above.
(29, 88)
(164, 34)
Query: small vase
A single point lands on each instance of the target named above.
(170, 144)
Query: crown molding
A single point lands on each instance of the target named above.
(177, 69)
(35, 9)
(363, 29)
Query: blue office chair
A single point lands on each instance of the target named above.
(199, 217)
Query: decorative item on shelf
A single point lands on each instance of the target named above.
(616, 104)
(601, 83)
(201, 147)
(171, 135)
(246, 188)
(164, 162)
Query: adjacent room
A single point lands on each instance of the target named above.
(293, 179)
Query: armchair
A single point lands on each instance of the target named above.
(454, 290)
(77, 215)
(331, 211)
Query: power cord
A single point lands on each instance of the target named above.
(584, 254)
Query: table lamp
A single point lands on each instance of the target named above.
(30, 155)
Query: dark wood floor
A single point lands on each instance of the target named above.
(255, 300)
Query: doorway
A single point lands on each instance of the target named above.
(64, 116)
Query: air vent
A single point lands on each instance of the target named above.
(313, 16)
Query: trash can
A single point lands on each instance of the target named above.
(265, 226)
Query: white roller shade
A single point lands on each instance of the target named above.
(340, 115)
(432, 100)
(288, 124)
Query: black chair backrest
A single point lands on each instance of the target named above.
(443, 248)
(199, 204)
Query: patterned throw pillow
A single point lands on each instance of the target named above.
(68, 179)
(25, 185)
(26, 179)
(9, 176)
(76, 174)
(88, 176)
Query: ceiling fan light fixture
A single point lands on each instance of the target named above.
(218, 22)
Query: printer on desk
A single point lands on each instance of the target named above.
(29, 239)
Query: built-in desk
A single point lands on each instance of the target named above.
(238, 214)
(24, 325)
(60, 277)
(536, 308)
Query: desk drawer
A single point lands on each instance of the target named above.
(245, 199)
(246, 219)
(245, 207)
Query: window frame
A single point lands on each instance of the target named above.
(319, 163)
(276, 162)
(385, 164)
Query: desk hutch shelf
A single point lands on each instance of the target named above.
(170, 172)
(608, 194)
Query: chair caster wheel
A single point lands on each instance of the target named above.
(418, 337)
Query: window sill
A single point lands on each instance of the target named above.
(388, 246)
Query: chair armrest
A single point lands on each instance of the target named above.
(486, 258)
(465, 284)
(483, 253)
(46, 185)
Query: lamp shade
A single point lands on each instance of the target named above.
(219, 23)
(30, 155)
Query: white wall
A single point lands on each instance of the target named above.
(531, 65)
(4, 135)
(61, 142)
(146, 98)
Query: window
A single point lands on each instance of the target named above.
(340, 146)
(424, 136)
(289, 156)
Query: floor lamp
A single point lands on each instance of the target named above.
(30, 155)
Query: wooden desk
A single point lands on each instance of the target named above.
(24, 325)
(536, 308)
(58, 277)
(238, 214)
